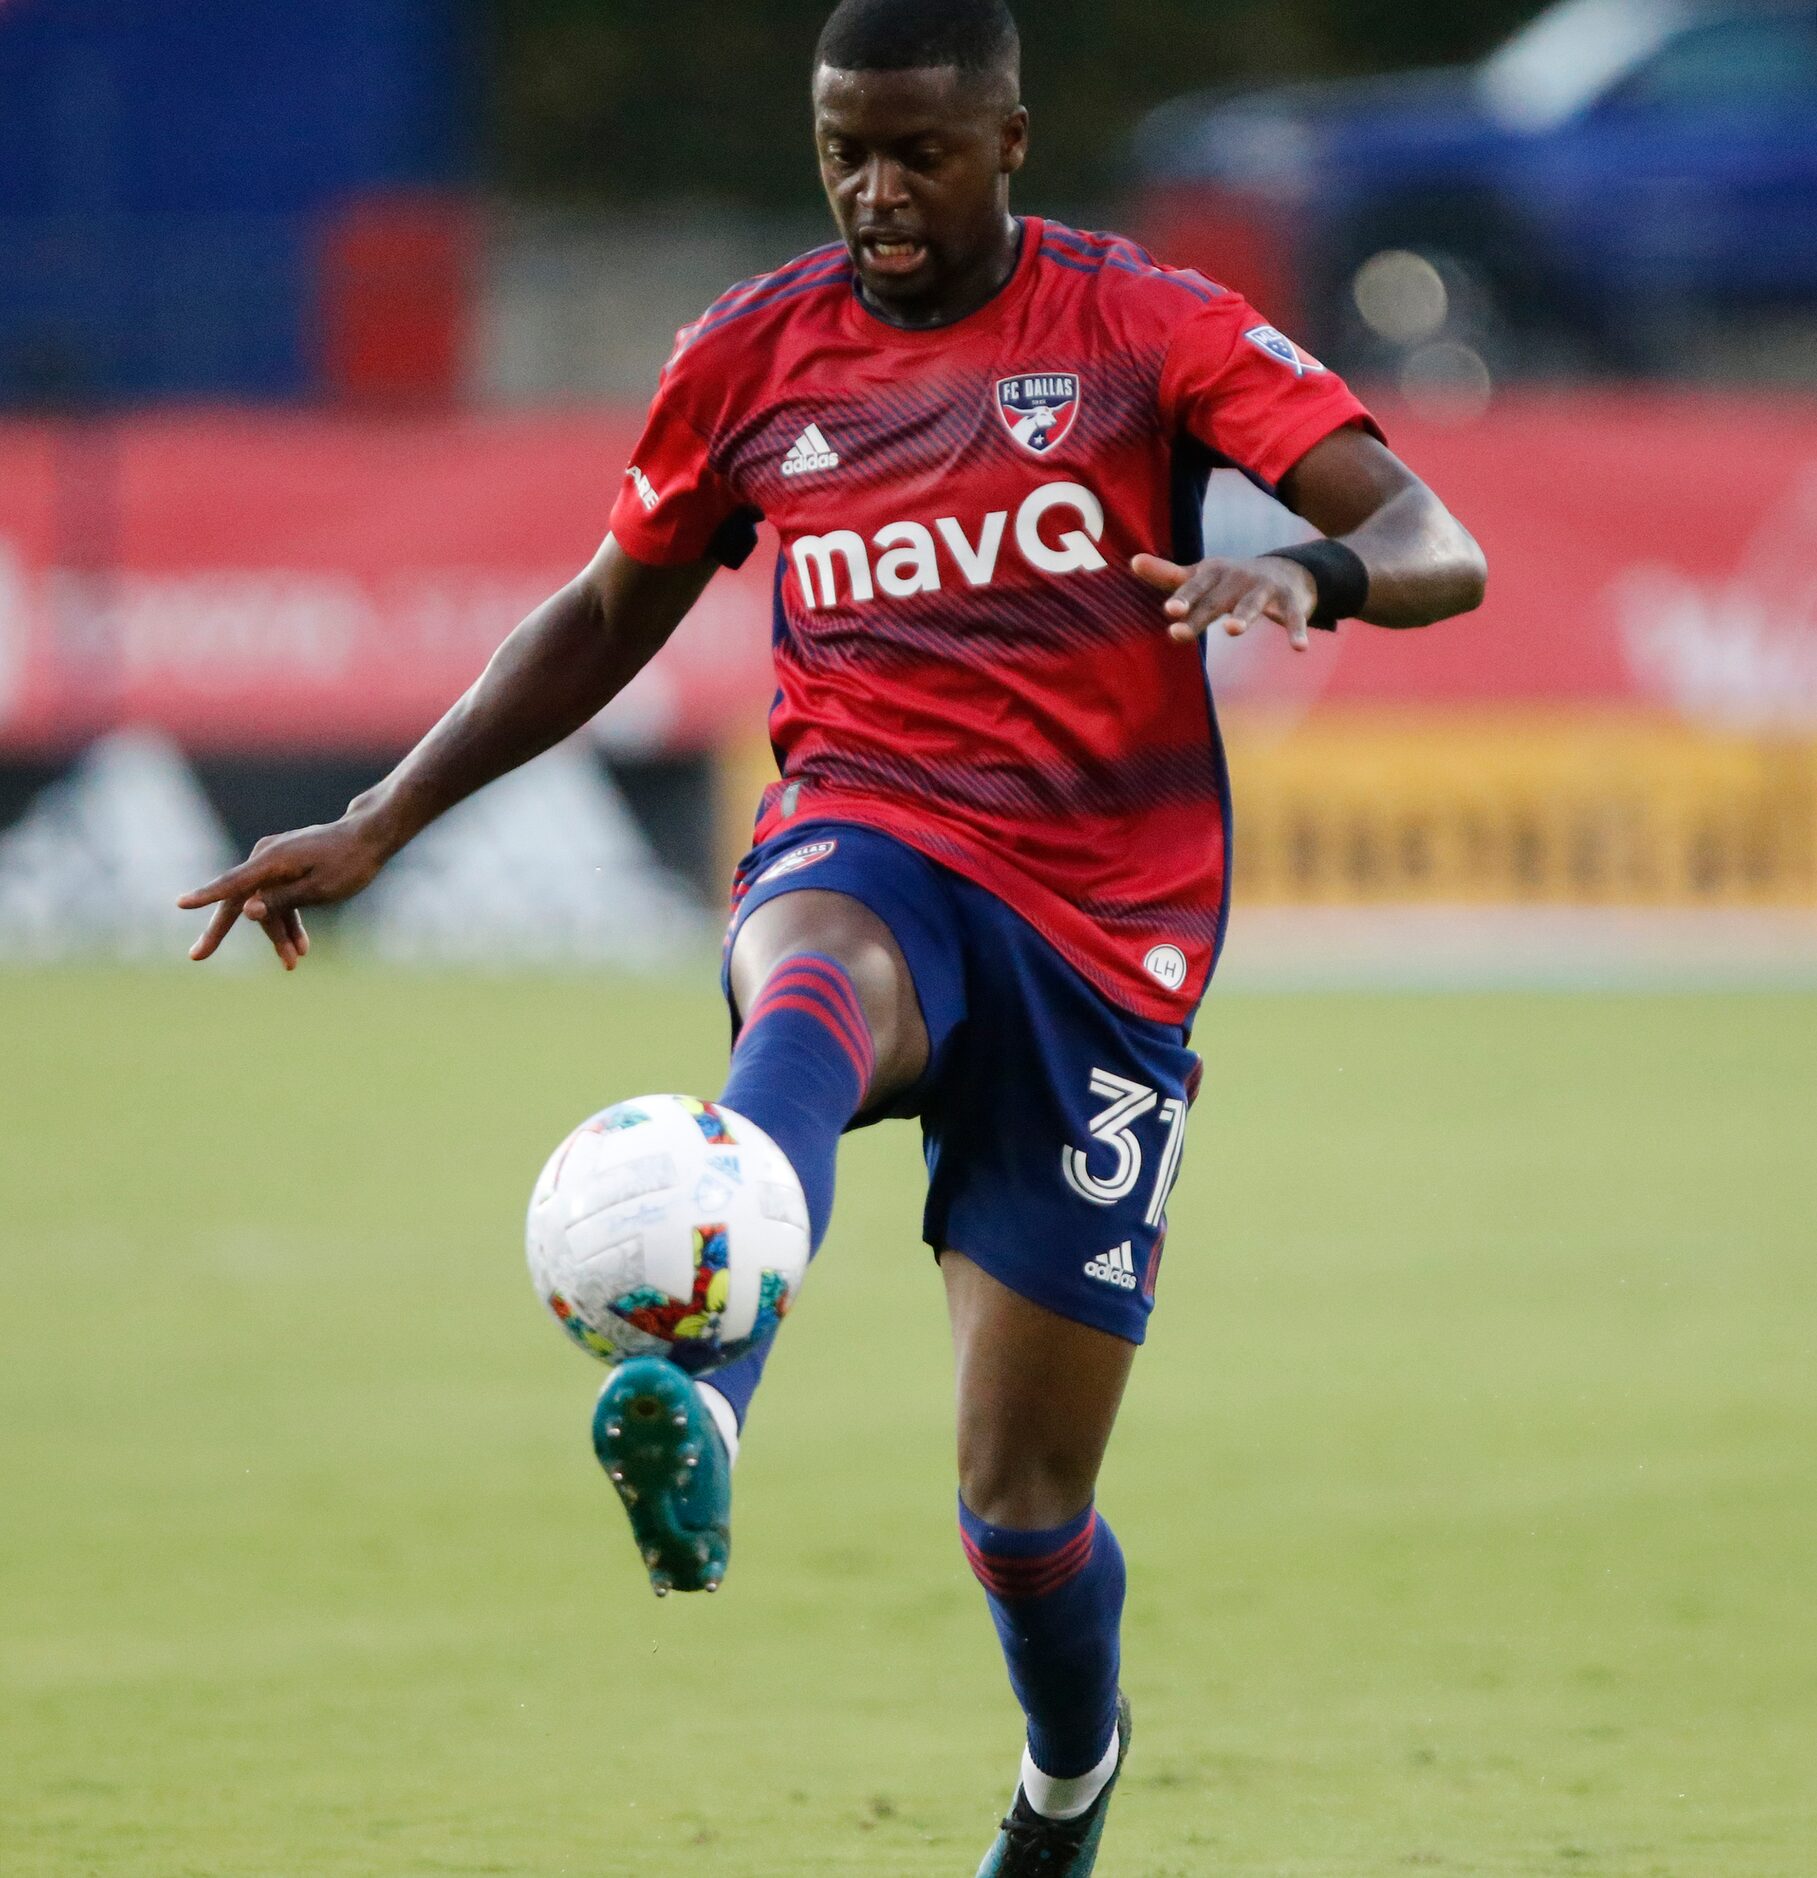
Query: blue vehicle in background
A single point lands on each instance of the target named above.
(1618, 178)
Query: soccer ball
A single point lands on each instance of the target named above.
(668, 1227)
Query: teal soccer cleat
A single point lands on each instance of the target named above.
(661, 1450)
(1032, 1847)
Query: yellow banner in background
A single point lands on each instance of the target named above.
(1521, 807)
(1498, 808)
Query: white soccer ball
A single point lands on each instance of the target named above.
(668, 1227)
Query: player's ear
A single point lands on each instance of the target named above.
(1015, 140)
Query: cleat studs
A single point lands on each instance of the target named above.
(652, 1557)
(660, 1586)
(617, 1474)
(614, 1430)
(693, 1461)
(627, 1493)
(713, 1584)
(679, 1419)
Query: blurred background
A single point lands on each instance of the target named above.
(1470, 1479)
(323, 329)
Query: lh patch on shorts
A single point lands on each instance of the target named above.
(796, 859)
(1115, 1267)
(1167, 966)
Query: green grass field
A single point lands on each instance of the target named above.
(1469, 1479)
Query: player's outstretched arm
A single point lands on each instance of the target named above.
(558, 670)
(1420, 564)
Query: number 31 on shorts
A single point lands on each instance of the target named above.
(1114, 1125)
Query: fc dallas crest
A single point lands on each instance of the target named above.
(1039, 409)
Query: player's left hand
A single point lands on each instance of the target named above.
(1232, 594)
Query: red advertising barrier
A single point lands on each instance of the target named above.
(1648, 551)
(256, 580)
(260, 581)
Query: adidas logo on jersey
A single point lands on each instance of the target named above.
(811, 452)
(1116, 1267)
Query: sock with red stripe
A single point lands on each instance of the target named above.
(1057, 1599)
(803, 1062)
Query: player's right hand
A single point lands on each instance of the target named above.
(285, 873)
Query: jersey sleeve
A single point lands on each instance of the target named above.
(1247, 392)
(674, 507)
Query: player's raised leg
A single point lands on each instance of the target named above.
(1037, 1397)
(830, 1026)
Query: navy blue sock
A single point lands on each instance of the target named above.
(1057, 1598)
(803, 1062)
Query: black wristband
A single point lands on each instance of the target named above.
(1340, 575)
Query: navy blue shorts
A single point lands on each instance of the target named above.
(1053, 1121)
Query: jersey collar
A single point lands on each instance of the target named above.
(878, 331)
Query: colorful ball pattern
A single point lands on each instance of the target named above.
(667, 1226)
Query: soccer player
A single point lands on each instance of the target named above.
(990, 884)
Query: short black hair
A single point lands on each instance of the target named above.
(978, 36)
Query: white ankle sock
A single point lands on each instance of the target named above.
(1067, 1799)
(724, 1418)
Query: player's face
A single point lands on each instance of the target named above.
(917, 166)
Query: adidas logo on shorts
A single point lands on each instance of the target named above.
(1115, 1267)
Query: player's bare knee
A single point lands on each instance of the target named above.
(1024, 1492)
(841, 929)
(875, 973)
(884, 990)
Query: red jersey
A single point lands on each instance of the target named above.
(964, 659)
